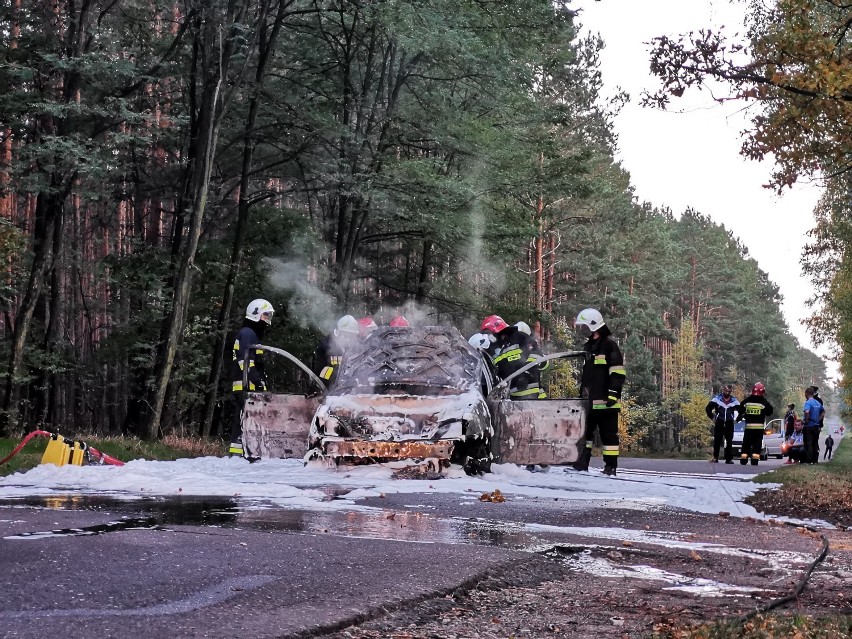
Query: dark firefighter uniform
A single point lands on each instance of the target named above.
(601, 383)
(328, 357)
(244, 354)
(516, 349)
(755, 410)
(724, 411)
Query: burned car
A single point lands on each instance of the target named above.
(415, 393)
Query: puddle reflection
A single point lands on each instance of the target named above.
(162, 513)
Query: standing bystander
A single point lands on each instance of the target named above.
(812, 419)
(723, 409)
(829, 446)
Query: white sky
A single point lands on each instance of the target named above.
(689, 156)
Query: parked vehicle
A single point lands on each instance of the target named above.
(415, 393)
(772, 439)
(737, 441)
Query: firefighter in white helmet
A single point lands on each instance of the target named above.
(328, 355)
(245, 354)
(602, 380)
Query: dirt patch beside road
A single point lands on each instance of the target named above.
(709, 568)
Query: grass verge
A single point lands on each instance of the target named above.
(123, 448)
(821, 491)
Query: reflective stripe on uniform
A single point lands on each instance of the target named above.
(327, 372)
(589, 443)
(600, 359)
(237, 386)
(235, 449)
(617, 370)
(600, 404)
(752, 408)
(532, 390)
(610, 451)
(512, 355)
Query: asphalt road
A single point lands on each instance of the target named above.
(187, 568)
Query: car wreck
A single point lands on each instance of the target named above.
(420, 393)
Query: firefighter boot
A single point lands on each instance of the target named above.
(582, 462)
(236, 448)
(743, 459)
(609, 469)
(755, 459)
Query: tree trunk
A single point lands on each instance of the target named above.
(216, 56)
(265, 46)
(46, 210)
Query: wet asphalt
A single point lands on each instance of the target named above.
(182, 567)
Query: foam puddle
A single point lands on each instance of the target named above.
(588, 564)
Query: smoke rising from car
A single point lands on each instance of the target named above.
(309, 305)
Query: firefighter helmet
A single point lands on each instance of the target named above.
(366, 325)
(588, 321)
(260, 310)
(399, 321)
(524, 328)
(493, 324)
(347, 324)
(480, 340)
(759, 389)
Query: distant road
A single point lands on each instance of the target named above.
(695, 466)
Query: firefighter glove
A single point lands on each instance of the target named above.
(611, 401)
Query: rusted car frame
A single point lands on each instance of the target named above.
(415, 393)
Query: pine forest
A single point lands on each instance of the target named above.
(164, 162)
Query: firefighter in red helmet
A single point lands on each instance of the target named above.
(755, 411)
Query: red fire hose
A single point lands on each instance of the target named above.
(95, 455)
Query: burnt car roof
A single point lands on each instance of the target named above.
(427, 360)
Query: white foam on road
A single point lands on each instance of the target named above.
(287, 482)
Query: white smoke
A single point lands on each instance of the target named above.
(309, 305)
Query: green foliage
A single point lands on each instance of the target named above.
(444, 157)
(696, 434)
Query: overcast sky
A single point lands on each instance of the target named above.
(689, 156)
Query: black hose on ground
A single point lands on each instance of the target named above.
(800, 586)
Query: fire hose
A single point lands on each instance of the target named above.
(62, 451)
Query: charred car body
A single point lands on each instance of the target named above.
(414, 393)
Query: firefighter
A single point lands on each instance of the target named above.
(399, 322)
(601, 383)
(724, 409)
(755, 410)
(490, 328)
(532, 377)
(258, 316)
(514, 348)
(366, 325)
(328, 356)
